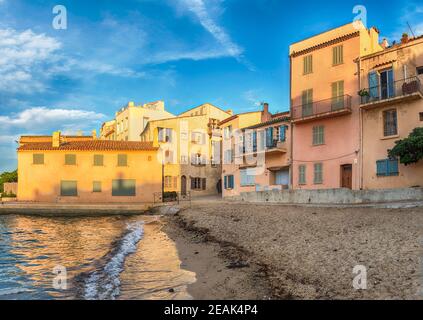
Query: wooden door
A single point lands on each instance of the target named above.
(346, 176)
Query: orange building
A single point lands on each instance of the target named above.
(87, 171)
(325, 107)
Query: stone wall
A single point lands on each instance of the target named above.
(341, 196)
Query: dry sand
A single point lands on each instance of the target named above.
(294, 252)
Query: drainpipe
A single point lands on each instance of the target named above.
(291, 125)
(361, 171)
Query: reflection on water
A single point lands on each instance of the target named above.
(105, 258)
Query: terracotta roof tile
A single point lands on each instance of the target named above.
(93, 145)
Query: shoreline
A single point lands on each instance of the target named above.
(223, 271)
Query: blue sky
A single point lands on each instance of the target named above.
(232, 53)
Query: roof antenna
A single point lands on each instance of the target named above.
(411, 30)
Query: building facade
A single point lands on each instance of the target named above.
(255, 152)
(391, 107)
(325, 107)
(108, 130)
(132, 120)
(189, 146)
(88, 171)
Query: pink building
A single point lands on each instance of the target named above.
(325, 107)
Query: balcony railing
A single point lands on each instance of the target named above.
(394, 89)
(327, 107)
(275, 145)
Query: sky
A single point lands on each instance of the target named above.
(232, 53)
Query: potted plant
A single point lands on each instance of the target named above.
(404, 38)
(364, 94)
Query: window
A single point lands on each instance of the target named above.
(318, 135)
(302, 174)
(165, 134)
(307, 102)
(184, 160)
(38, 158)
(269, 137)
(98, 160)
(227, 132)
(282, 133)
(247, 177)
(197, 159)
(308, 64)
(337, 55)
(318, 173)
(390, 123)
(228, 156)
(70, 159)
(168, 182)
(68, 188)
(122, 160)
(387, 167)
(96, 186)
(198, 183)
(123, 188)
(229, 182)
(421, 116)
(338, 95)
(419, 70)
(198, 137)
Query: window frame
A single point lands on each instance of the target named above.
(98, 156)
(119, 158)
(69, 156)
(318, 135)
(250, 180)
(337, 55)
(318, 173)
(386, 132)
(34, 162)
(308, 64)
(70, 194)
(97, 186)
(302, 174)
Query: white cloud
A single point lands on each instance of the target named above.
(252, 97)
(198, 7)
(39, 119)
(411, 14)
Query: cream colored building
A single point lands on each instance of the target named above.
(190, 145)
(391, 107)
(108, 130)
(132, 119)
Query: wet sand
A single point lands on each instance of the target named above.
(294, 252)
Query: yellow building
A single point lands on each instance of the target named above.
(189, 144)
(391, 106)
(88, 171)
(132, 120)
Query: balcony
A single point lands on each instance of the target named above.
(272, 148)
(327, 108)
(386, 94)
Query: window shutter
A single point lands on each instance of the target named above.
(192, 183)
(393, 167)
(282, 133)
(225, 182)
(98, 160)
(381, 167)
(175, 182)
(373, 84)
(203, 184)
(122, 160)
(38, 158)
(231, 182)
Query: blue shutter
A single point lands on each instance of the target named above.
(269, 137)
(231, 182)
(393, 167)
(255, 141)
(282, 133)
(374, 84)
(381, 167)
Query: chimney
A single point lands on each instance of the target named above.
(131, 103)
(404, 38)
(94, 134)
(230, 112)
(385, 43)
(265, 114)
(56, 139)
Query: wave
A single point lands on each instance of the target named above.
(104, 282)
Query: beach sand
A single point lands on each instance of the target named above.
(258, 251)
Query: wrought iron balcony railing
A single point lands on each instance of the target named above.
(330, 106)
(389, 90)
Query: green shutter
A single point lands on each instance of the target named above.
(122, 160)
(68, 188)
(124, 188)
(98, 160)
(307, 64)
(302, 174)
(38, 158)
(70, 159)
(381, 167)
(96, 186)
(318, 173)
